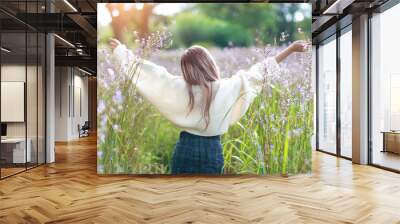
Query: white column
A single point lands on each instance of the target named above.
(360, 90)
(314, 90)
(50, 99)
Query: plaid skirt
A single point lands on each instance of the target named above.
(195, 154)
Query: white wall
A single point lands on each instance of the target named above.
(81, 84)
(70, 83)
(12, 73)
(62, 82)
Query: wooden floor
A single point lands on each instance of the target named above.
(10, 171)
(70, 191)
(387, 159)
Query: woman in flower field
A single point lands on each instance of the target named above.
(199, 102)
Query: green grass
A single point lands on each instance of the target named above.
(270, 139)
(260, 143)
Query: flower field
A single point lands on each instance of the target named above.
(274, 137)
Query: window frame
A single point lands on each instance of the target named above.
(336, 35)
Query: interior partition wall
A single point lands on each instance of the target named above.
(334, 94)
(22, 101)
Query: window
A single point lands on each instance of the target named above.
(22, 77)
(385, 89)
(346, 92)
(327, 96)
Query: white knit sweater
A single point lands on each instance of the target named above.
(168, 93)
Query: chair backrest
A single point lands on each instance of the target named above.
(86, 124)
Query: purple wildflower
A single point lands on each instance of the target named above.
(118, 98)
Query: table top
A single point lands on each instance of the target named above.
(391, 132)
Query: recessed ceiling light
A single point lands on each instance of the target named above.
(338, 6)
(5, 50)
(84, 71)
(70, 5)
(64, 40)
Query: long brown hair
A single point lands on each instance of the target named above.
(199, 68)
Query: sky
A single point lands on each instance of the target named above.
(104, 16)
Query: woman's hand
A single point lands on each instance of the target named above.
(297, 46)
(114, 43)
(300, 46)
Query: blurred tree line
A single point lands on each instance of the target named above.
(222, 25)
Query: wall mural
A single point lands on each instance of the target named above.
(192, 88)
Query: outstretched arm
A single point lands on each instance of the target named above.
(297, 46)
(146, 67)
(114, 43)
(153, 81)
